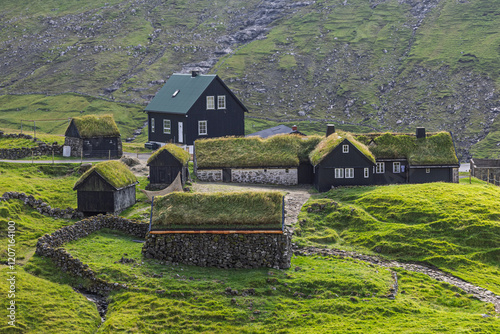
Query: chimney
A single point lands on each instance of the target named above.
(420, 133)
(330, 128)
(194, 74)
(294, 128)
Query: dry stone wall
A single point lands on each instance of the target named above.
(42, 207)
(221, 250)
(209, 175)
(282, 176)
(18, 153)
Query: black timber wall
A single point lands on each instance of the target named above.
(436, 174)
(389, 177)
(164, 169)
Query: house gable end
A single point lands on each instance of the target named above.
(72, 130)
(94, 182)
(354, 157)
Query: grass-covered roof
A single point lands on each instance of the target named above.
(276, 151)
(180, 154)
(115, 172)
(331, 142)
(96, 126)
(219, 210)
(435, 149)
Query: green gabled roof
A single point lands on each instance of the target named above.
(114, 172)
(328, 144)
(190, 88)
(180, 154)
(434, 149)
(96, 126)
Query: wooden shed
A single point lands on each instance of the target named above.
(108, 187)
(94, 136)
(165, 164)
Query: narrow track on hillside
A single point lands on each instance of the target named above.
(434, 273)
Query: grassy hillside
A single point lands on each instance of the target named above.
(454, 227)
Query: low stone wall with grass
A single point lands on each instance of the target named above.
(50, 246)
(43, 149)
(221, 250)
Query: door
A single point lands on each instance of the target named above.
(181, 133)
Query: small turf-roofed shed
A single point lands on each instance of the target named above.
(94, 136)
(166, 163)
(108, 187)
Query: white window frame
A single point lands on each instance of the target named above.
(396, 167)
(349, 173)
(152, 125)
(366, 173)
(339, 173)
(345, 148)
(201, 125)
(427, 170)
(380, 169)
(221, 102)
(167, 129)
(210, 102)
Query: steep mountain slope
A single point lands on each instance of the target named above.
(390, 65)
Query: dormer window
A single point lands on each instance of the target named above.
(210, 102)
(221, 102)
(175, 93)
(345, 148)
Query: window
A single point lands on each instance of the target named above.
(396, 167)
(152, 125)
(427, 170)
(380, 168)
(202, 128)
(210, 103)
(166, 126)
(349, 173)
(221, 102)
(367, 173)
(345, 148)
(339, 173)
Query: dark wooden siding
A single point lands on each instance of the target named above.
(220, 122)
(71, 131)
(164, 169)
(437, 174)
(305, 173)
(101, 147)
(389, 177)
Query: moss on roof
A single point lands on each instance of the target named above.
(115, 172)
(328, 144)
(435, 149)
(219, 210)
(96, 126)
(180, 154)
(283, 150)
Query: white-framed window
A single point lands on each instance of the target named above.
(167, 126)
(339, 173)
(210, 102)
(202, 128)
(396, 167)
(427, 170)
(380, 169)
(152, 125)
(366, 173)
(221, 102)
(349, 173)
(345, 148)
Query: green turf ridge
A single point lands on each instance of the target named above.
(90, 126)
(113, 171)
(180, 154)
(454, 227)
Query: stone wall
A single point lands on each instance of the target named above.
(283, 176)
(221, 250)
(76, 145)
(49, 246)
(18, 153)
(209, 175)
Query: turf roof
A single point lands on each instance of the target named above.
(96, 126)
(328, 144)
(180, 154)
(276, 151)
(219, 210)
(115, 172)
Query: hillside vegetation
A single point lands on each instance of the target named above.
(388, 65)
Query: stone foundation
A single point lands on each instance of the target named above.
(282, 176)
(209, 175)
(221, 250)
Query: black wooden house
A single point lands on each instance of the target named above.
(165, 164)
(192, 106)
(94, 136)
(108, 187)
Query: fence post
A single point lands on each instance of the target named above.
(283, 214)
(488, 178)
(52, 154)
(470, 176)
(81, 156)
(151, 215)
(109, 154)
(32, 157)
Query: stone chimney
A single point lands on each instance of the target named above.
(195, 74)
(294, 128)
(330, 128)
(420, 133)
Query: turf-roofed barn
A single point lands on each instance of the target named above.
(165, 164)
(94, 136)
(108, 187)
(394, 158)
(221, 229)
(192, 106)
